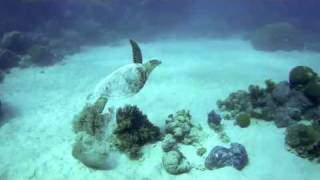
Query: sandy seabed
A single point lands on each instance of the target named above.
(40, 103)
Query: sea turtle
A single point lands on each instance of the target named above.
(127, 80)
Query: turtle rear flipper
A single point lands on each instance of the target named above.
(136, 52)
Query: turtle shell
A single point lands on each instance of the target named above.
(123, 82)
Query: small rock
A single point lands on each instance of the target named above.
(224, 137)
(201, 151)
(169, 143)
(175, 163)
(91, 152)
(214, 118)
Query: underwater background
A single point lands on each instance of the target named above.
(159, 89)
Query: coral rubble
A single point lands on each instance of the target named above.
(201, 151)
(214, 122)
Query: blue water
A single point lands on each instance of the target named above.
(54, 55)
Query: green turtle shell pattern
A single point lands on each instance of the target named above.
(123, 82)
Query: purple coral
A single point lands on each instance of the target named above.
(214, 118)
(220, 156)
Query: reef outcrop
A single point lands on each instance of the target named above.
(285, 102)
(91, 147)
(277, 36)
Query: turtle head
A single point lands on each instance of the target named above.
(150, 65)
(155, 62)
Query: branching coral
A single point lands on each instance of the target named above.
(133, 131)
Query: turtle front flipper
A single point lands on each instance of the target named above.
(136, 52)
(100, 104)
(150, 65)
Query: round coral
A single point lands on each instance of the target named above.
(300, 76)
(243, 120)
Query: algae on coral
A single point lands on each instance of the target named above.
(304, 140)
(90, 119)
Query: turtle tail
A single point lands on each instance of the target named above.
(136, 52)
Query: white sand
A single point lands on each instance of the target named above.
(36, 142)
